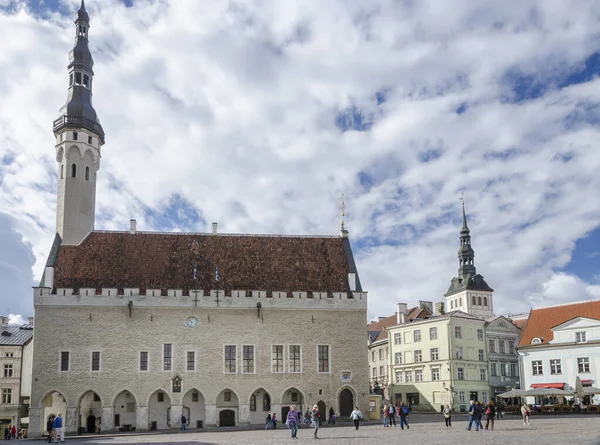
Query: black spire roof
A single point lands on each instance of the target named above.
(468, 278)
(78, 111)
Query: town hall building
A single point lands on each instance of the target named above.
(135, 329)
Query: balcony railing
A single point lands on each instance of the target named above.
(78, 122)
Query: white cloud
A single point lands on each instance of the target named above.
(232, 106)
(16, 320)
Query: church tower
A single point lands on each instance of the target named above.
(468, 291)
(79, 138)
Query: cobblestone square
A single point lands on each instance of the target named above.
(424, 430)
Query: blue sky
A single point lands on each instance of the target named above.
(258, 115)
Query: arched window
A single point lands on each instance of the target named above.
(485, 301)
(473, 300)
(62, 171)
(252, 402)
(73, 171)
(87, 173)
(479, 301)
(460, 301)
(266, 403)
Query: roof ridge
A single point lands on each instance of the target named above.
(597, 300)
(263, 235)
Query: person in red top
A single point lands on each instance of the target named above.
(13, 432)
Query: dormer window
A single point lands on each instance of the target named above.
(580, 337)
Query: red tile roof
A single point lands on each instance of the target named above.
(541, 321)
(378, 326)
(166, 261)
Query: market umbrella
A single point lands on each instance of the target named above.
(590, 390)
(546, 392)
(512, 393)
(579, 388)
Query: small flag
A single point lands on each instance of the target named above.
(217, 274)
(195, 271)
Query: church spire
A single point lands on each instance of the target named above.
(78, 111)
(466, 255)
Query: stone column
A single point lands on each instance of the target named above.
(210, 415)
(70, 422)
(243, 414)
(176, 412)
(108, 419)
(35, 423)
(141, 418)
(276, 408)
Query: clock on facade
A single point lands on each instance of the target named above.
(192, 322)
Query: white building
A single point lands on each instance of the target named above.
(134, 329)
(502, 340)
(561, 343)
(16, 352)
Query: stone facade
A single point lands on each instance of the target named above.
(120, 338)
(502, 339)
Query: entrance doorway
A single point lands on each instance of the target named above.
(227, 418)
(346, 402)
(90, 425)
(322, 411)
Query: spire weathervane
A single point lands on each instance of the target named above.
(343, 206)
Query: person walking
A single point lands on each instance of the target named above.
(472, 416)
(292, 421)
(525, 412)
(386, 416)
(315, 419)
(392, 414)
(499, 414)
(13, 431)
(331, 416)
(356, 416)
(183, 423)
(403, 415)
(447, 411)
(274, 420)
(479, 414)
(490, 415)
(49, 428)
(58, 426)
(268, 424)
(307, 417)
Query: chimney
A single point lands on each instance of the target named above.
(402, 312)
(132, 226)
(439, 308)
(30, 320)
(214, 227)
(426, 304)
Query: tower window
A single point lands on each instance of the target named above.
(77, 78)
(87, 173)
(479, 300)
(74, 135)
(90, 140)
(62, 175)
(71, 79)
(485, 301)
(473, 300)
(73, 171)
(86, 80)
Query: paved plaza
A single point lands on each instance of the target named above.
(424, 430)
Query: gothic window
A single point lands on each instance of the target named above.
(77, 78)
(86, 80)
(74, 135)
(473, 300)
(87, 173)
(266, 403)
(252, 402)
(176, 384)
(485, 301)
(479, 301)
(73, 171)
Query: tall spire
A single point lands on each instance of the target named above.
(466, 255)
(78, 111)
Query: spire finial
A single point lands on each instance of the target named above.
(343, 207)
(464, 215)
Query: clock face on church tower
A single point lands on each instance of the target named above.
(192, 322)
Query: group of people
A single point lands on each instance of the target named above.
(312, 417)
(10, 432)
(54, 426)
(476, 413)
(390, 412)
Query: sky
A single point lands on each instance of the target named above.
(259, 114)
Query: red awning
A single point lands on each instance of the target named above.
(548, 385)
(586, 382)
